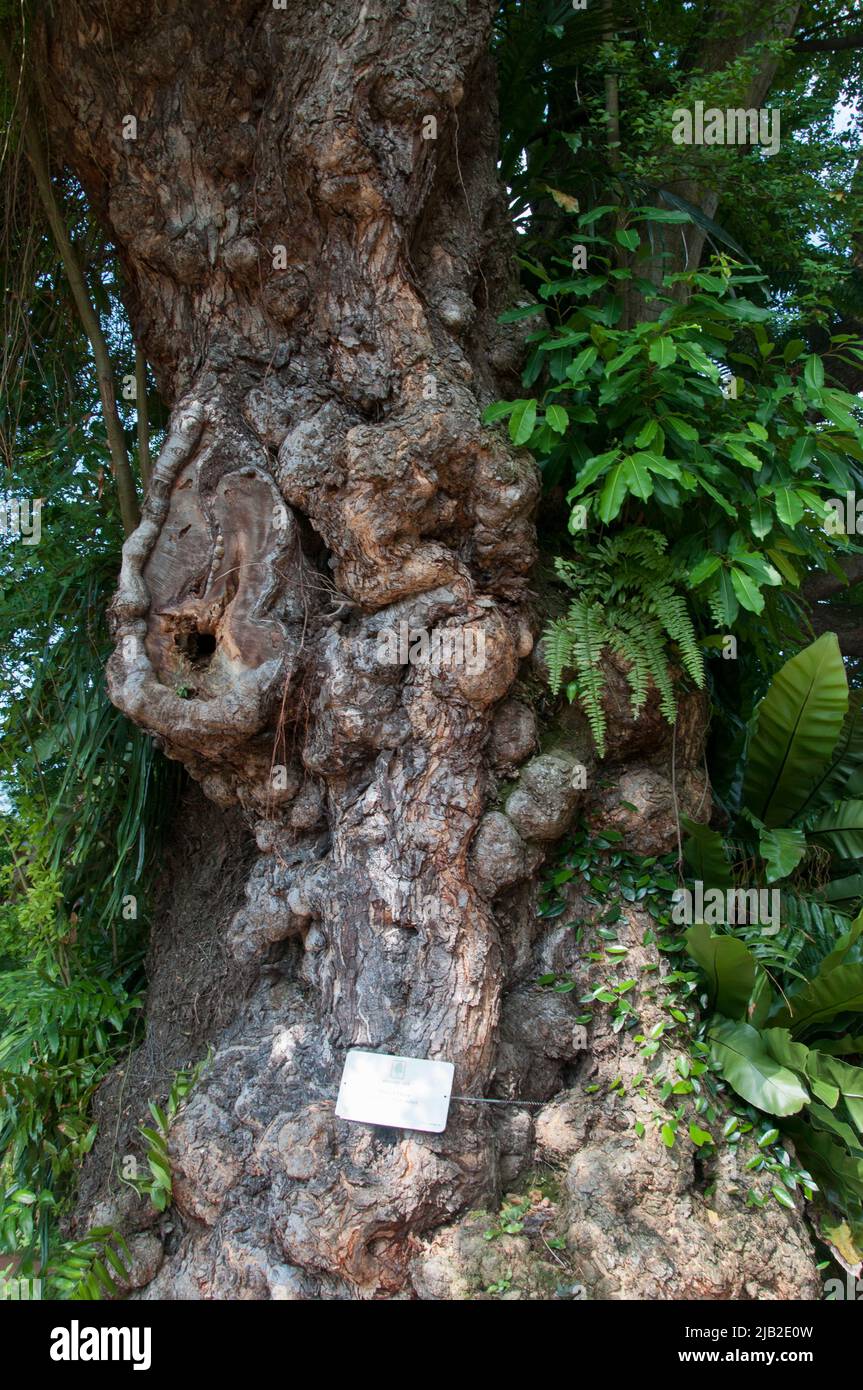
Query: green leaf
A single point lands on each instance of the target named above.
(557, 418)
(742, 1058)
(704, 851)
(646, 434)
(663, 352)
(729, 966)
(622, 358)
(847, 889)
(850, 1082)
(761, 519)
(799, 1059)
(638, 479)
(725, 598)
(742, 454)
(844, 946)
(524, 311)
(789, 507)
(628, 238)
(592, 470)
(707, 565)
(796, 727)
(683, 427)
(842, 829)
(813, 373)
(613, 492)
(580, 364)
(781, 851)
(698, 359)
(746, 590)
(820, 1000)
(498, 410)
(522, 421)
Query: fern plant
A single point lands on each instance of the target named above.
(626, 599)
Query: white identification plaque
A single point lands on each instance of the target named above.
(404, 1092)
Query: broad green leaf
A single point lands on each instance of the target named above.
(592, 470)
(761, 519)
(628, 238)
(846, 889)
(781, 851)
(522, 421)
(728, 604)
(834, 407)
(742, 454)
(698, 359)
(842, 829)
(580, 364)
(743, 1059)
(706, 566)
(729, 966)
(663, 352)
(613, 492)
(498, 410)
(646, 434)
(796, 727)
(746, 590)
(789, 507)
(835, 1169)
(844, 950)
(802, 451)
(798, 1058)
(557, 418)
(683, 427)
(665, 468)
(727, 507)
(813, 373)
(850, 1082)
(704, 851)
(622, 358)
(820, 1000)
(638, 479)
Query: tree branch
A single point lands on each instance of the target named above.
(837, 45)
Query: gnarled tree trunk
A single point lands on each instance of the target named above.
(315, 247)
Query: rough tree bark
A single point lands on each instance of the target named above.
(315, 251)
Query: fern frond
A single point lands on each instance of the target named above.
(672, 612)
(557, 645)
(654, 646)
(588, 631)
(626, 641)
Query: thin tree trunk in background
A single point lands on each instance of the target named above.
(143, 424)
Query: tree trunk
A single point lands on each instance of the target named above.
(315, 249)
